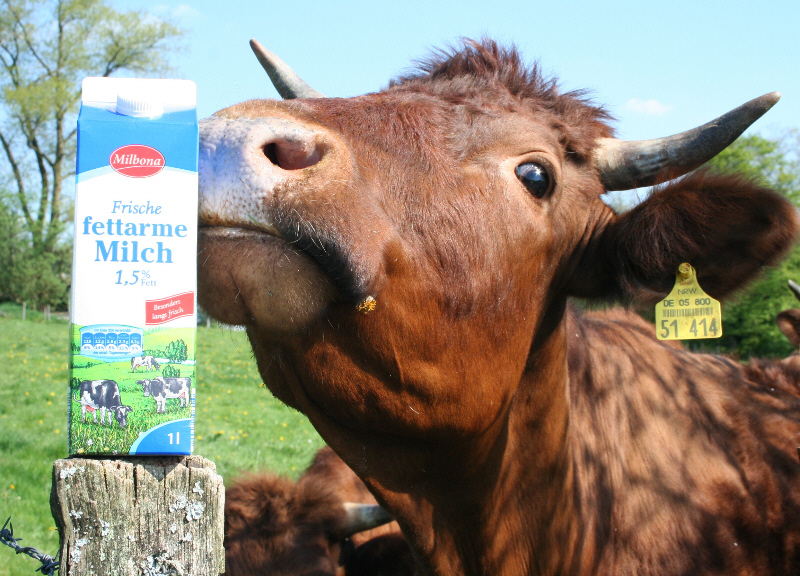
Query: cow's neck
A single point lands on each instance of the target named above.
(514, 484)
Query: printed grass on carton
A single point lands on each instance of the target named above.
(90, 369)
(88, 437)
(239, 425)
(92, 437)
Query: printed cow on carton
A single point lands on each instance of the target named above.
(102, 396)
(404, 263)
(149, 363)
(161, 389)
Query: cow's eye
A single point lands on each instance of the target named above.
(535, 178)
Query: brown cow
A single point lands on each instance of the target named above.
(278, 527)
(403, 262)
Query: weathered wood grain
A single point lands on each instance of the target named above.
(139, 516)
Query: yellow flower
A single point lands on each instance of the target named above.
(41, 421)
(13, 487)
(284, 424)
(52, 393)
(58, 431)
(281, 438)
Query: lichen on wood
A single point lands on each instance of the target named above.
(139, 516)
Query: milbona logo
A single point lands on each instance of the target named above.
(136, 161)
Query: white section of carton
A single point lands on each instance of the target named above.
(157, 259)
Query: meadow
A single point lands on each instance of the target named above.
(239, 425)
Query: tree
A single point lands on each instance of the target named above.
(177, 351)
(772, 163)
(12, 248)
(46, 48)
(749, 319)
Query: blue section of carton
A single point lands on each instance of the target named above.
(173, 437)
(167, 133)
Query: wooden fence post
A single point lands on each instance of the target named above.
(139, 516)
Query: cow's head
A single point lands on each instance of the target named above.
(145, 384)
(463, 205)
(121, 414)
(278, 527)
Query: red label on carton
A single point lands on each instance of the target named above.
(136, 161)
(166, 309)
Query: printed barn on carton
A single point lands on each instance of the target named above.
(133, 310)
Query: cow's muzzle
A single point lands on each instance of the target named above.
(243, 161)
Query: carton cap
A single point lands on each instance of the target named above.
(138, 104)
(168, 96)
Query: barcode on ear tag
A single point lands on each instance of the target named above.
(688, 313)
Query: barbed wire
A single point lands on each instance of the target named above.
(49, 564)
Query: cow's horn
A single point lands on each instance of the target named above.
(795, 288)
(362, 517)
(624, 165)
(288, 84)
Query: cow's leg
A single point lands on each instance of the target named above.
(102, 416)
(83, 412)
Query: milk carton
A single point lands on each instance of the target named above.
(133, 308)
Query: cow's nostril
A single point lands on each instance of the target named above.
(271, 153)
(289, 155)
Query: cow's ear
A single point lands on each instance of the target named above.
(726, 227)
(789, 323)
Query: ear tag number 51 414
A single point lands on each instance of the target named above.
(688, 313)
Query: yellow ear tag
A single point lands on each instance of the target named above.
(688, 313)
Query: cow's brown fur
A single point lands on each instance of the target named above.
(328, 470)
(272, 526)
(507, 432)
(278, 527)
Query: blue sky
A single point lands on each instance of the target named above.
(659, 67)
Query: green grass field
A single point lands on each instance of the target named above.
(239, 425)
